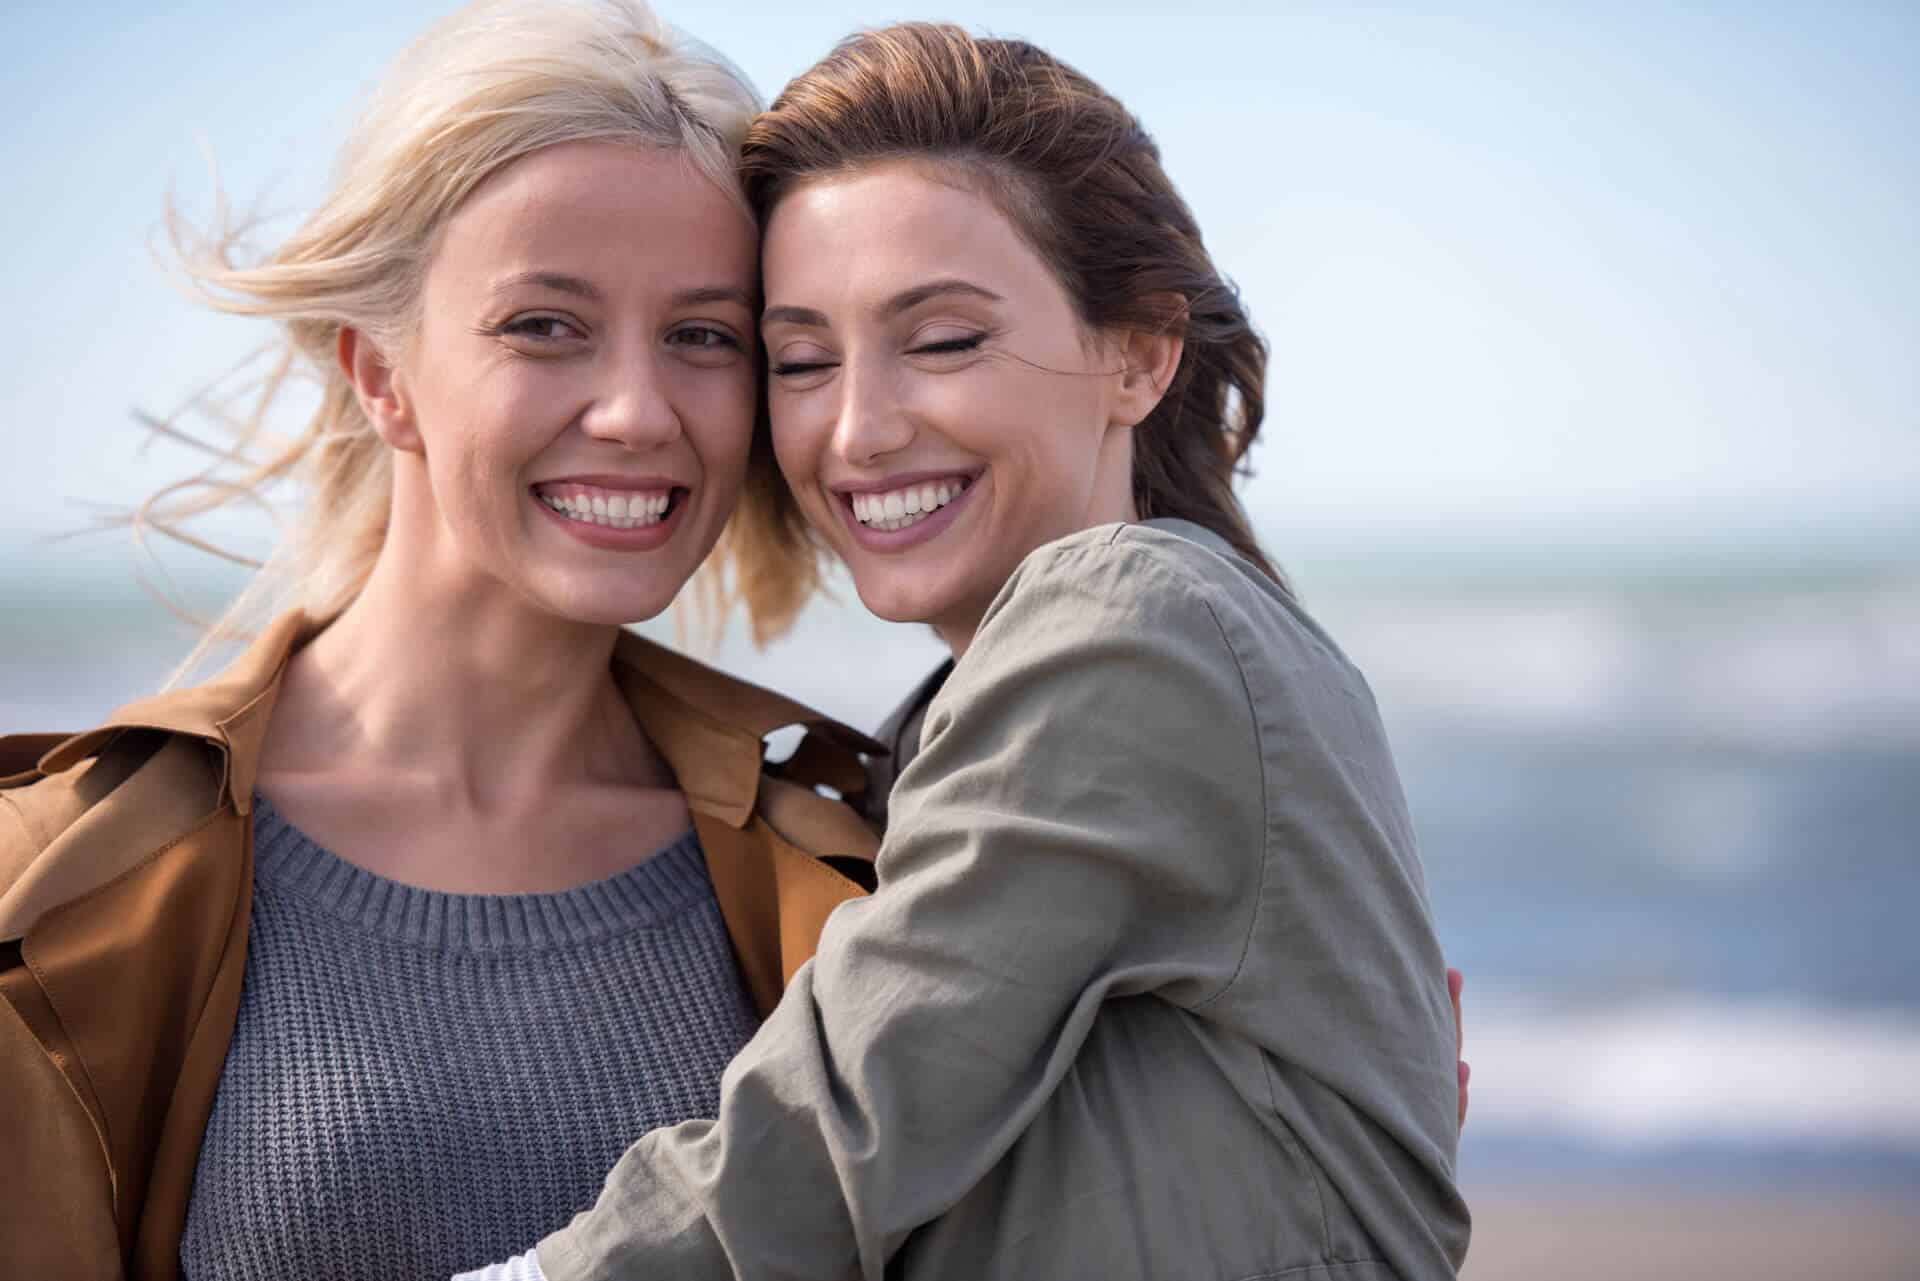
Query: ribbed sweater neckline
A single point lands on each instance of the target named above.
(650, 893)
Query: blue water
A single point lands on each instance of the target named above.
(1504, 1158)
(1674, 842)
(1558, 866)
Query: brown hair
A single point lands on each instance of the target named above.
(1081, 180)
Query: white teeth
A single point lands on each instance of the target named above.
(903, 507)
(618, 511)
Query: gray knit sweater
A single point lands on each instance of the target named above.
(420, 1080)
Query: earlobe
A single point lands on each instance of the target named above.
(1150, 360)
(376, 386)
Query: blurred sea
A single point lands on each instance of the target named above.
(1670, 821)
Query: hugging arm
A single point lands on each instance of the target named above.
(1044, 853)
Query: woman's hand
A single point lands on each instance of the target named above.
(1456, 981)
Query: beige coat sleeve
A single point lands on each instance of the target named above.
(1085, 820)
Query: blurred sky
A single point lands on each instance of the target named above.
(1568, 271)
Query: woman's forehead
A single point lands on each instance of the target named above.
(868, 238)
(602, 213)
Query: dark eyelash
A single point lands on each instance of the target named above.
(724, 338)
(522, 327)
(946, 347)
(950, 346)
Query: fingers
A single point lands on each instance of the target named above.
(1456, 982)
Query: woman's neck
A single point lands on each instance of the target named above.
(458, 683)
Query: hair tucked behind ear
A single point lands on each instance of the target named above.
(487, 85)
(1082, 181)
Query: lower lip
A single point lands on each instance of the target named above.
(893, 540)
(638, 539)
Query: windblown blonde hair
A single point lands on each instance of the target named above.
(490, 83)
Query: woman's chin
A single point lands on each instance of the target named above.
(887, 596)
(608, 605)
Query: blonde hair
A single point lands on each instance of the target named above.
(492, 82)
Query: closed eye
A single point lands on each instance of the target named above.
(948, 346)
(789, 368)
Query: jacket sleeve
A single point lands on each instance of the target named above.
(1084, 821)
(57, 1213)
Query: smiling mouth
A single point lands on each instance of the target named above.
(612, 509)
(902, 508)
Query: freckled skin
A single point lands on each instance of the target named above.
(1034, 412)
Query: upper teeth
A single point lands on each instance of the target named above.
(604, 507)
(898, 508)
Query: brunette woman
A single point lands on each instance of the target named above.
(1149, 986)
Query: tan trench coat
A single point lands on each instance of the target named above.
(126, 873)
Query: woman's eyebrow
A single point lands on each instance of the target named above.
(794, 316)
(908, 299)
(905, 300)
(580, 287)
(559, 282)
(714, 293)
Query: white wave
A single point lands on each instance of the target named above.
(1692, 1070)
(1795, 670)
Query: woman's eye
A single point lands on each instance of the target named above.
(948, 346)
(539, 329)
(704, 338)
(792, 364)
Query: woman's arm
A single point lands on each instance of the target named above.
(1084, 820)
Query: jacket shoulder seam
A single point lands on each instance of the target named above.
(1166, 553)
(1266, 804)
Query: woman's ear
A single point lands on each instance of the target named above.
(1149, 358)
(377, 386)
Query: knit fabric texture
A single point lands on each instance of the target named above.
(420, 1082)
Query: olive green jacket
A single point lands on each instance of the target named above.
(126, 865)
(1149, 987)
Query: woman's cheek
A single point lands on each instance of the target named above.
(797, 443)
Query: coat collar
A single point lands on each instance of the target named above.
(709, 726)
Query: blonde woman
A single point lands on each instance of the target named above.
(374, 952)
(1148, 986)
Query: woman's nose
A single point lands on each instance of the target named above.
(872, 423)
(633, 407)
